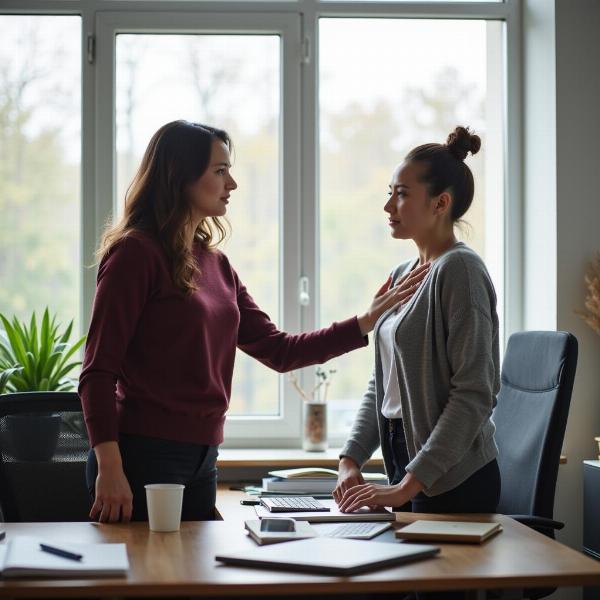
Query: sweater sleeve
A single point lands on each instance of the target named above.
(259, 337)
(123, 284)
(364, 437)
(473, 383)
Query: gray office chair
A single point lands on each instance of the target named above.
(43, 453)
(531, 418)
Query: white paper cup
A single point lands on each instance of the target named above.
(164, 505)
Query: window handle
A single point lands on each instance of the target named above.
(303, 291)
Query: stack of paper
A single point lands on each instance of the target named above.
(23, 557)
(309, 480)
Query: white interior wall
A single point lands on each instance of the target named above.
(562, 213)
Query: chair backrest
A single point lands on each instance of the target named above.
(43, 453)
(531, 418)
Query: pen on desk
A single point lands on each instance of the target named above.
(59, 552)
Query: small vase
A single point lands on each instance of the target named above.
(314, 419)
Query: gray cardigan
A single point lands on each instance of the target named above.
(447, 360)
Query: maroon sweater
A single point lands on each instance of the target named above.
(160, 363)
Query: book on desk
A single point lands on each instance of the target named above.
(449, 531)
(312, 480)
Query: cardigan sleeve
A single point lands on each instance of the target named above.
(470, 401)
(364, 437)
(471, 347)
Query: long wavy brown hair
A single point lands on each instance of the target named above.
(156, 200)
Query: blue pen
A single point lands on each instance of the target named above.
(59, 552)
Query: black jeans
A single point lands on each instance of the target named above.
(154, 460)
(479, 493)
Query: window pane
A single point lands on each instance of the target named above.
(231, 82)
(378, 100)
(40, 139)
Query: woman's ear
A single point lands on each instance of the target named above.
(442, 203)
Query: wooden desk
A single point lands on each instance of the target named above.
(182, 563)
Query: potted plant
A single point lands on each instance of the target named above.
(314, 410)
(34, 359)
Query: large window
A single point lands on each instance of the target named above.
(409, 82)
(231, 81)
(40, 124)
(322, 99)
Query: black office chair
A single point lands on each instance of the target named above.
(531, 418)
(43, 452)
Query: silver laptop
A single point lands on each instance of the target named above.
(329, 556)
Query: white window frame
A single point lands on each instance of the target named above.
(287, 26)
(297, 23)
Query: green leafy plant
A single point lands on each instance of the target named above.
(6, 370)
(36, 358)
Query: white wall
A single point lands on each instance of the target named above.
(562, 212)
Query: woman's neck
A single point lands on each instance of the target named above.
(432, 248)
(190, 233)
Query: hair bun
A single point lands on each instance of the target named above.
(461, 141)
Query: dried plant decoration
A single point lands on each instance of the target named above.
(592, 299)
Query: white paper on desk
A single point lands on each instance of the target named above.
(23, 558)
(334, 514)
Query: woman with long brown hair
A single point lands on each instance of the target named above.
(168, 315)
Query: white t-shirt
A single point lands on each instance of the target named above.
(391, 407)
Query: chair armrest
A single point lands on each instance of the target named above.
(537, 522)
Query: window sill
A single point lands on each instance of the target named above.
(290, 457)
(283, 457)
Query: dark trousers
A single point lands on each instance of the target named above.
(154, 460)
(479, 493)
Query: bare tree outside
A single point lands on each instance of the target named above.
(231, 82)
(365, 132)
(369, 119)
(39, 165)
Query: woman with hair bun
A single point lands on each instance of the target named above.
(430, 400)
